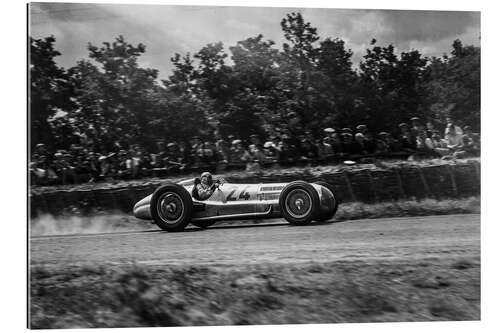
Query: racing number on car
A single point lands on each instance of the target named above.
(243, 195)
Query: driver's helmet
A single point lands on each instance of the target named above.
(209, 177)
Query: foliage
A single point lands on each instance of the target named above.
(453, 85)
(109, 100)
(49, 89)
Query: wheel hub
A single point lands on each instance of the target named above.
(298, 203)
(170, 208)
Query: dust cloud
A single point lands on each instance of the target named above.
(49, 225)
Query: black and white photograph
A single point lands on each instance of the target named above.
(208, 165)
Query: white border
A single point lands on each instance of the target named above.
(13, 243)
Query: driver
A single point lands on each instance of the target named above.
(207, 186)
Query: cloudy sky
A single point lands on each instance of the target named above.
(166, 30)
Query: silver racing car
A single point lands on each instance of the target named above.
(173, 206)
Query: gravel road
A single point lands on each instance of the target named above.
(446, 236)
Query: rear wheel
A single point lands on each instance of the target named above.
(299, 203)
(325, 216)
(171, 207)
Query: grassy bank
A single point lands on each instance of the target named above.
(401, 208)
(128, 296)
(105, 221)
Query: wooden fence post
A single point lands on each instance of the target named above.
(477, 168)
(424, 181)
(400, 183)
(349, 185)
(372, 185)
(451, 169)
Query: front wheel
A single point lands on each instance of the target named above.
(171, 207)
(299, 203)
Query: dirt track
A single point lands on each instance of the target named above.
(409, 238)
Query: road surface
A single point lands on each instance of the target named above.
(274, 242)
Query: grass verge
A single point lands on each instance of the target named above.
(105, 222)
(402, 208)
(131, 296)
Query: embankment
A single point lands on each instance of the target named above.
(368, 183)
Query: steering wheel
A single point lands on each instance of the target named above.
(221, 181)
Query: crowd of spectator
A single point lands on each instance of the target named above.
(413, 140)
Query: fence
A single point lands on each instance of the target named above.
(374, 184)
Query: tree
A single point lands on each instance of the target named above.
(183, 78)
(50, 90)
(390, 86)
(255, 63)
(298, 70)
(114, 97)
(302, 36)
(453, 86)
(338, 83)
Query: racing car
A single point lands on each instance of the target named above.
(173, 206)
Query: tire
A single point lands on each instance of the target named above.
(171, 207)
(299, 203)
(203, 224)
(328, 215)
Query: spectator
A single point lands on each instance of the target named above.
(236, 153)
(277, 147)
(287, 151)
(158, 159)
(271, 153)
(416, 127)
(91, 161)
(221, 155)
(453, 143)
(173, 161)
(471, 144)
(325, 150)
(347, 144)
(106, 167)
(92, 166)
(208, 156)
(406, 139)
(308, 151)
(382, 144)
(436, 144)
(345, 130)
(124, 164)
(253, 157)
(370, 143)
(363, 129)
(423, 149)
(328, 131)
(196, 152)
(451, 124)
(254, 139)
(358, 147)
(222, 151)
(145, 161)
(430, 129)
(336, 142)
(64, 167)
(453, 139)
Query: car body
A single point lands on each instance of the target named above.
(303, 203)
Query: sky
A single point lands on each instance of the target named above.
(167, 29)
